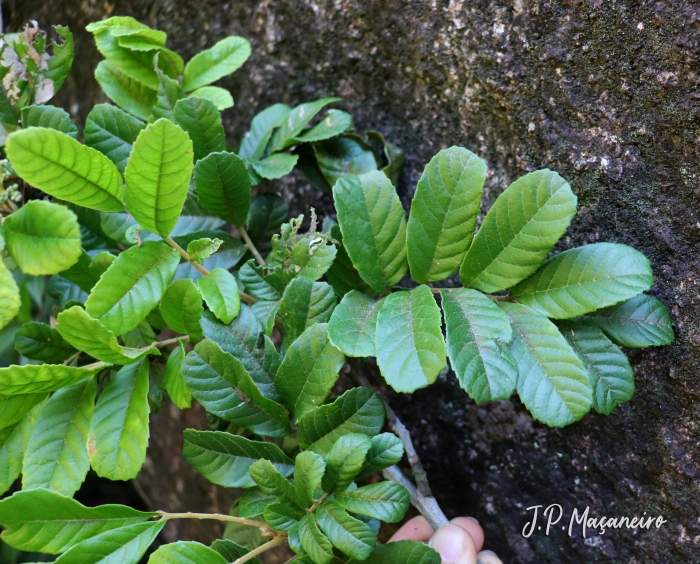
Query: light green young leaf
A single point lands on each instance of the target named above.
(313, 542)
(261, 128)
(386, 450)
(57, 164)
(87, 334)
(181, 308)
(552, 382)
(99, 265)
(443, 213)
(342, 275)
(275, 166)
(582, 280)
(224, 459)
(373, 224)
(335, 123)
(386, 501)
(51, 117)
(112, 132)
(295, 122)
(152, 37)
(223, 186)
(13, 409)
(344, 461)
(10, 301)
(167, 96)
(127, 93)
(358, 410)
(218, 61)
(612, 378)
(519, 231)
(220, 291)
(282, 516)
(478, 333)
(637, 323)
(158, 176)
(309, 370)
(57, 457)
(45, 521)
(350, 535)
(267, 213)
(353, 324)
(303, 304)
(183, 552)
(174, 381)
(220, 97)
(308, 473)
(201, 249)
(132, 286)
(409, 343)
(13, 445)
(202, 121)
(119, 432)
(42, 378)
(402, 552)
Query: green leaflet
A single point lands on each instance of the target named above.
(57, 457)
(51, 117)
(519, 231)
(221, 98)
(637, 323)
(220, 292)
(112, 132)
(313, 542)
(60, 63)
(402, 552)
(10, 301)
(87, 334)
(386, 450)
(358, 410)
(181, 308)
(202, 121)
(282, 516)
(45, 521)
(373, 224)
(295, 121)
(308, 473)
(313, 256)
(582, 280)
(344, 461)
(200, 249)
(271, 482)
(260, 285)
(119, 431)
(13, 445)
(174, 381)
(410, 347)
(167, 96)
(266, 312)
(267, 213)
(552, 382)
(183, 552)
(443, 213)
(132, 286)
(346, 533)
(224, 459)
(309, 370)
(612, 378)
(275, 166)
(125, 545)
(13, 409)
(42, 378)
(80, 273)
(386, 501)
(227, 256)
(347, 155)
(158, 176)
(342, 275)
(223, 186)
(305, 303)
(478, 333)
(218, 61)
(253, 502)
(63, 168)
(335, 123)
(353, 324)
(256, 140)
(129, 94)
(231, 551)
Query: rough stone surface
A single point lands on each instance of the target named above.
(607, 93)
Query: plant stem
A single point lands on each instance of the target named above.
(72, 358)
(172, 341)
(427, 505)
(267, 546)
(215, 516)
(203, 271)
(251, 246)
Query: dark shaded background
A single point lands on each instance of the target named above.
(606, 92)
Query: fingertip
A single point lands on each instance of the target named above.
(488, 557)
(454, 544)
(472, 526)
(416, 529)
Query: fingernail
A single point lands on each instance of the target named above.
(487, 557)
(491, 552)
(475, 520)
(450, 542)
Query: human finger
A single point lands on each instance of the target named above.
(472, 526)
(487, 557)
(416, 529)
(455, 545)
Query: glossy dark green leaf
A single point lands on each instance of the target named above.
(282, 516)
(220, 292)
(295, 122)
(13, 445)
(342, 275)
(386, 450)
(272, 482)
(347, 155)
(261, 128)
(39, 341)
(259, 283)
(402, 552)
(313, 542)
(112, 132)
(186, 552)
(267, 213)
(344, 461)
(231, 551)
(14, 408)
(181, 308)
(303, 304)
(386, 501)
(308, 473)
(253, 502)
(350, 535)
(223, 186)
(202, 121)
(51, 117)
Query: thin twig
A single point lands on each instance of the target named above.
(203, 271)
(251, 246)
(427, 505)
(263, 548)
(215, 516)
(72, 358)
(159, 344)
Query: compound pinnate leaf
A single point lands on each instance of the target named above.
(256, 140)
(353, 324)
(640, 322)
(410, 347)
(87, 334)
(402, 552)
(51, 117)
(313, 542)
(220, 292)
(223, 186)
(552, 382)
(305, 303)
(373, 224)
(443, 213)
(216, 62)
(41, 378)
(119, 432)
(582, 280)
(350, 535)
(186, 552)
(13, 409)
(57, 164)
(129, 94)
(295, 121)
(309, 370)
(45, 521)
(132, 286)
(221, 98)
(202, 121)
(335, 123)
(519, 231)
(344, 461)
(267, 213)
(358, 410)
(478, 333)
(112, 132)
(612, 378)
(308, 473)
(181, 308)
(56, 456)
(386, 501)
(386, 450)
(225, 459)
(158, 176)
(10, 301)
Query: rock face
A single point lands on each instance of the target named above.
(607, 93)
